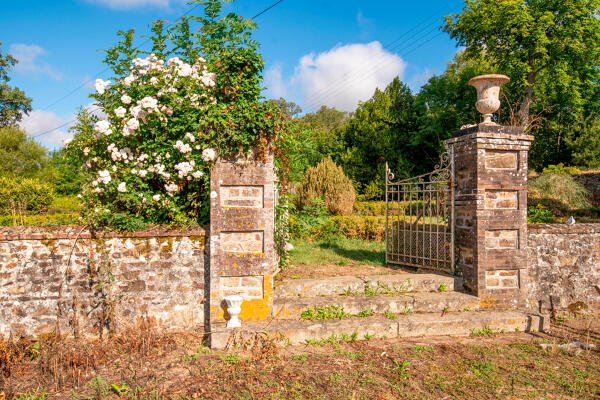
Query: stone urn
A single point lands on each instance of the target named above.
(234, 307)
(488, 94)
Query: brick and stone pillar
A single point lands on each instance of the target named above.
(491, 210)
(242, 255)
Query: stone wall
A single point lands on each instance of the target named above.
(563, 266)
(81, 282)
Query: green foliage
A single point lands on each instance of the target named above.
(526, 38)
(365, 313)
(13, 102)
(551, 52)
(21, 156)
(485, 330)
(323, 313)
(33, 395)
(381, 131)
(328, 182)
(390, 315)
(562, 188)
(442, 288)
(539, 214)
(149, 161)
(369, 208)
(281, 234)
(560, 168)
(356, 227)
(24, 195)
(307, 222)
(325, 119)
(39, 220)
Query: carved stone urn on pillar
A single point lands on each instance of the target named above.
(488, 94)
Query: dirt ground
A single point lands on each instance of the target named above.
(146, 365)
(303, 271)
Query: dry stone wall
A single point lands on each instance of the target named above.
(85, 283)
(563, 266)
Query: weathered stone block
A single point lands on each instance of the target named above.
(242, 242)
(501, 199)
(501, 159)
(502, 239)
(242, 196)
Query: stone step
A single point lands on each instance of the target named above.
(414, 325)
(415, 302)
(398, 283)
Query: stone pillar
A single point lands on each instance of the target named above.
(491, 210)
(242, 255)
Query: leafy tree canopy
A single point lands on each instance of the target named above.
(20, 156)
(13, 102)
(526, 39)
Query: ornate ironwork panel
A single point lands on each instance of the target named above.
(419, 218)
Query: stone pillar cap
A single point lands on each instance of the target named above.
(501, 78)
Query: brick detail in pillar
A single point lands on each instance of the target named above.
(242, 254)
(491, 209)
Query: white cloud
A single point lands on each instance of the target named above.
(276, 87)
(345, 75)
(128, 4)
(39, 121)
(28, 63)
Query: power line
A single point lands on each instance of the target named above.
(105, 69)
(401, 47)
(266, 9)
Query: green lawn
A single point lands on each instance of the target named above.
(339, 251)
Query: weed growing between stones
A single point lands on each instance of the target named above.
(390, 315)
(484, 331)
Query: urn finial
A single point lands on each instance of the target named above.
(488, 94)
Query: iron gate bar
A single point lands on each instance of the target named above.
(424, 237)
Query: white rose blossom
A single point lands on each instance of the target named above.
(125, 99)
(209, 154)
(120, 111)
(122, 187)
(101, 85)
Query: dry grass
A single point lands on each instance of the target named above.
(147, 365)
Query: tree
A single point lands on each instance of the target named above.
(20, 156)
(325, 119)
(445, 103)
(528, 38)
(382, 130)
(288, 109)
(13, 102)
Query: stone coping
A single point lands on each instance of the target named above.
(496, 129)
(75, 231)
(575, 229)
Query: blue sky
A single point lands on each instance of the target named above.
(316, 52)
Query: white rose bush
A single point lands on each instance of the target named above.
(168, 116)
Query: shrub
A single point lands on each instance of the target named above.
(39, 220)
(307, 223)
(23, 195)
(356, 227)
(369, 208)
(560, 168)
(540, 215)
(327, 181)
(168, 117)
(562, 188)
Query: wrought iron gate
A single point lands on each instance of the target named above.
(419, 218)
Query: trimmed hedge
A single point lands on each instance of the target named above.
(374, 208)
(357, 227)
(39, 220)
